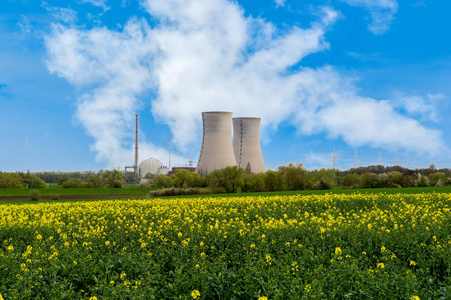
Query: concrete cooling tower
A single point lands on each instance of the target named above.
(246, 144)
(217, 148)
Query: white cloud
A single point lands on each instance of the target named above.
(98, 3)
(382, 13)
(425, 107)
(65, 15)
(279, 3)
(24, 24)
(207, 56)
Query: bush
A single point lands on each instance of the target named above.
(54, 196)
(178, 191)
(34, 195)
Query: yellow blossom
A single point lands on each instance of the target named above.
(195, 294)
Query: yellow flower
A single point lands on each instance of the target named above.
(1, 297)
(380, 265)
(268, 259)
(93, 298)
(123, 275)
(263, 298)
(308, 288)
(364, 253)
(337, 251)
(411, 298)
(112, 282)
(180, 234)
(252, 245)
(383, 249)
(197, 266)
(412, 263)
(39, 237)
(10, 248)
(107, 243)
(195, 294)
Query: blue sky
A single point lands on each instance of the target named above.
(370, 76)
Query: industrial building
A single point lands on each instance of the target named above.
(152, 166)
(246, 144)
(218, 151)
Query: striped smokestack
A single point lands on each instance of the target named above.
(136, 147)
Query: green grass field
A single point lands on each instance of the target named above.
(55, 189)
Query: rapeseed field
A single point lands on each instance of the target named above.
(358, 246)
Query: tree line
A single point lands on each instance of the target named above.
(293, 177)
(233, 179)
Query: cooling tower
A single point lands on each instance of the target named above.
(217, 148)
(246, 144)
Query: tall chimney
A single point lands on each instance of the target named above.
(136, 146)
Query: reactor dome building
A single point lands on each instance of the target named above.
(150, 165)
(218, 151)
(246, 144)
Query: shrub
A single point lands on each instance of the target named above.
(34, 195)
(54, 196)
(178, 191)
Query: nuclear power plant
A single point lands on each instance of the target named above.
(218, 151)
(246, 144)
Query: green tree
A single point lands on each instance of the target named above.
(254, 183)
(114, 179)
(369, 180)
(182, 178)
(295, 178)
(395, 179)
(161, 181)
(324, 179)
(94, 181)
(438, 179)
(10, 181)
(423, 181)
(351, 181)
(272, 181)
(230, 179)
(33, 182)
(72, 183)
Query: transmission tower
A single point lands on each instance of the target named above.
(334, 158)
(397, 159)
(356, 160)
(380, 158)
